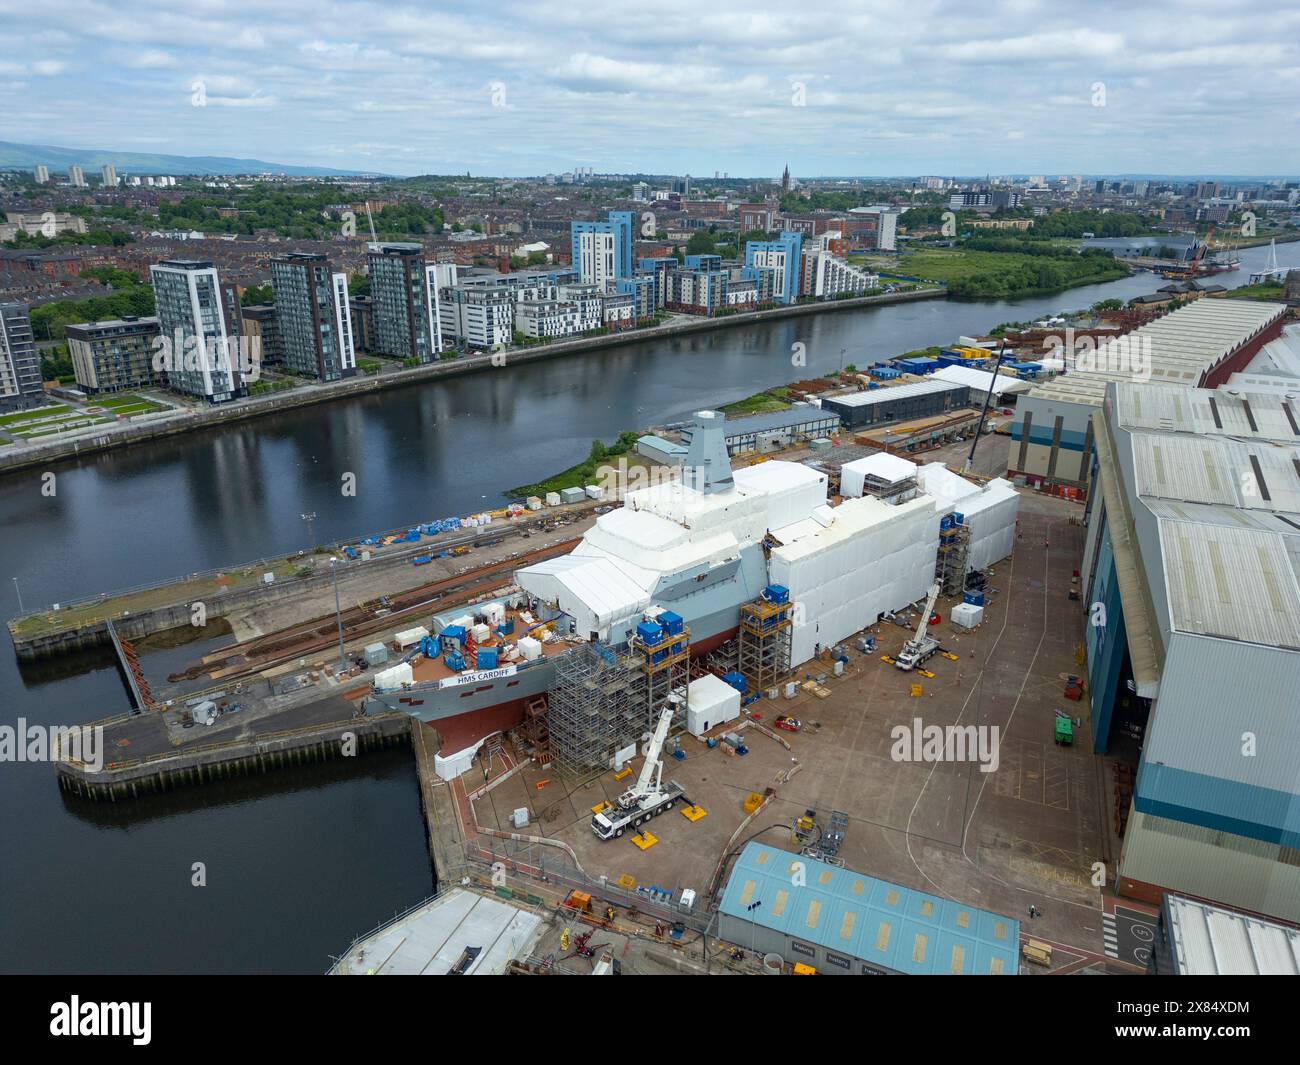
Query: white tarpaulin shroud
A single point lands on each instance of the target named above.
(874, 557)
(989, 512)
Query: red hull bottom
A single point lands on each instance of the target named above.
(464, 730)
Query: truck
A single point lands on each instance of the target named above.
(648, 797)
(922, 645)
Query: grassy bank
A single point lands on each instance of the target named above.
(774, 399)
(1264, 292)
(979, 274)
(584, 473)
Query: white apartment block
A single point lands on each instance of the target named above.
(597, 257)
(827, 275)
(538, 319)
(482, 318)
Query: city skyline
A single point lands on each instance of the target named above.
(895, 89)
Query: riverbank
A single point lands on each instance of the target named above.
(20, 458)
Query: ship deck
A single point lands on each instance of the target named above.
(432, 670)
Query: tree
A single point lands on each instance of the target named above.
(701, 243)
(254, 295)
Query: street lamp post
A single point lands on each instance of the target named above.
(338, 613)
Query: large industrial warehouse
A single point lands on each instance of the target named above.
(919, 399)
(1192, 572)
(1199, 345)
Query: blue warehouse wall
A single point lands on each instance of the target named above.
(1106, 643)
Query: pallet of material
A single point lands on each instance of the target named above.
(816, 689)
(1038, 952)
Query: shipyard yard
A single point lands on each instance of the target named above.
(1018, 841)
(1024, 835)
(813, 701)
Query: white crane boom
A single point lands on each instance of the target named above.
(652, 753)
(925, 614)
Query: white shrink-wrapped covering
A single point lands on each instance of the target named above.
(791, 490)
(989, 512)
(882, 465)
(874, 557)
(398, 676)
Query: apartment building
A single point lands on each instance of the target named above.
(20, 363)
(315, 321)
(199, 321)
(262, 329)
(826, 275)
(602, 251)
(781, 258)
(114, 356)
(641, 287)
(42, 223)
(405, 318)
(478, 317)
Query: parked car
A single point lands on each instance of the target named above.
(790, 724)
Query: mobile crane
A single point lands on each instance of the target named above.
(922, 645)
(648, 796)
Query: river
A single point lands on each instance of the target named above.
(298, 864)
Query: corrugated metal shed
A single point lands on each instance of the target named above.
(1236, 584)
(894, 392)
(1205, 940)
(863, 918)
(1180, 347)
(1242, 413)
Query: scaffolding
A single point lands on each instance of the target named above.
(766, 634)
(603, 699)
(536, 730)
(950, 562)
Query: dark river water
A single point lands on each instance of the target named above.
(299, 863)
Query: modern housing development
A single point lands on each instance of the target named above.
(315, 321)
(20, 364)
(199, 322)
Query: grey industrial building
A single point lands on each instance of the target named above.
(898, 403)
(1201, 344)
(771, 432)
(1191, 572)
(1196, 939)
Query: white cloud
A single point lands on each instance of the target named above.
(898, 86)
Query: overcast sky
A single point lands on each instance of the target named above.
(667, 86)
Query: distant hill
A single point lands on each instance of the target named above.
(25, 156)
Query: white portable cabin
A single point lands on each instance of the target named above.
(710, 701)
(410, 637)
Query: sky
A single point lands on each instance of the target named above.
(499, 87)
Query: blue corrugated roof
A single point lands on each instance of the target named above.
(781, 419)
(667, 446)
(859, 916)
